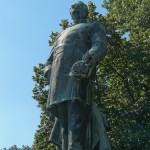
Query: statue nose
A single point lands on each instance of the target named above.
(73, 10)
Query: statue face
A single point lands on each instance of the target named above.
(75, 12)
(78, 11)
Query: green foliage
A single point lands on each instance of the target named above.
(52, 36)
(14, 147)
(129, 15)
(40, 94)
(123, 76)
(64, 24)
(92, 16)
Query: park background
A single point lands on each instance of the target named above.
(25, 27)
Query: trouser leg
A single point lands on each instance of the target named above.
(77, 125)
(63, 117)
(64, 132)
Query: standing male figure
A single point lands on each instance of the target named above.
(71, 72)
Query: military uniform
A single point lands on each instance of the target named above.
(71, 46)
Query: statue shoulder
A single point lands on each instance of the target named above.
(97, 26)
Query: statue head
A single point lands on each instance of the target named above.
(79, 12)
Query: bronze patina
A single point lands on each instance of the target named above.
(71, 71)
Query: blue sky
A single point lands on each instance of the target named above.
(25, 26)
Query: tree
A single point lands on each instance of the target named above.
(14, 147)
(123, 76)
(40, 94)
(129, 77)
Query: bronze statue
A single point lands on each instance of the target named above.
(71, 71)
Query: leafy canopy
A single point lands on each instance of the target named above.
(123, 76)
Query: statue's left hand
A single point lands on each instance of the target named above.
(80, 70)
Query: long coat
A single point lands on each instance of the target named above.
(95, 132)
(70, 46)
